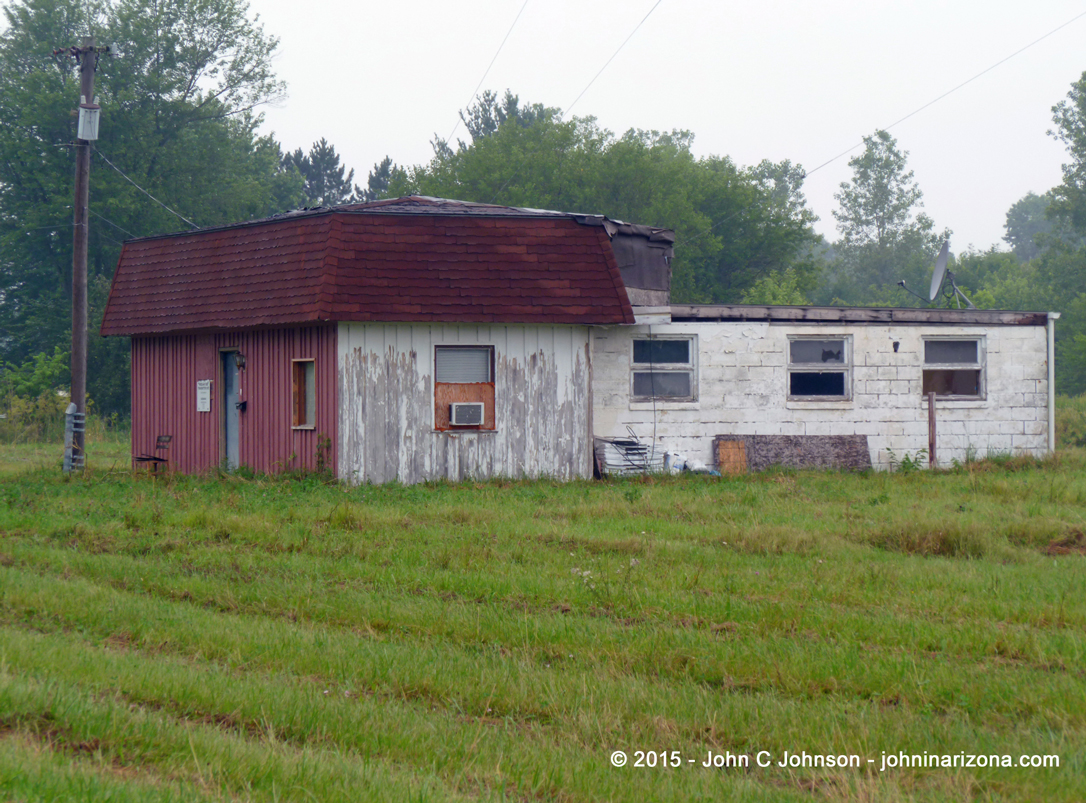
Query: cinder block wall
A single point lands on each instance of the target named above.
(742, 384)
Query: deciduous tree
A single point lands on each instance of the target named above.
(178, 119)
(734, 225)
(1069, 117)
(884, 236)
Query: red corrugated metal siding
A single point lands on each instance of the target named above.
(165, 370)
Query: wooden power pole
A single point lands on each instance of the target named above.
(87, 57)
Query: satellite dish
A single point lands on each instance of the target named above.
(940, 271)
(938, 277)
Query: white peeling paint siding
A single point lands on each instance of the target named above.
(742, 390)
(386, 398)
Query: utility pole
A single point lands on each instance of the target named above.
(87, 58)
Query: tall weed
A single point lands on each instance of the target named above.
(1071, 421)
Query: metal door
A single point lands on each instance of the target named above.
(230, 413)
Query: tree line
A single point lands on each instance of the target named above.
(183, 118)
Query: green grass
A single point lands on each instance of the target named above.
(104, 453)
(180, 638)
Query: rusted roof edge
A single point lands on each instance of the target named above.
(869, 315)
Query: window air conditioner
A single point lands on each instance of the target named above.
(466, 414)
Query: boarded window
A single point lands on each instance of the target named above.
(954, 368)
(463, 375)
(663, 369)
(304, 393)
(819, 368)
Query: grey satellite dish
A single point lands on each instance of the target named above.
(940, 271)
(938, 277)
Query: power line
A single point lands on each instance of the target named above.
(51, 228)
(487, 72)
(955, 89)
(570, 106)
(903, 119)
(604, 67)
(111, 223)
(141, 189)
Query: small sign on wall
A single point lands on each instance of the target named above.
(203, 395)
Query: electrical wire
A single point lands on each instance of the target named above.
(111, 223)
(141, 189)
(952, 91)
(107, 237)
(843, 153)
(570, 106)
(476, 92)
(604, 67)
(51, 228)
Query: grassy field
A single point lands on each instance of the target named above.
(178, 638)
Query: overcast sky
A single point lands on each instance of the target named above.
(753, 80)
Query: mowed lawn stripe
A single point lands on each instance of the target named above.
(922, 611)
(917, 662)
(475, 755)
(37, 767)
(519, 632)
(495, 684)
(180, 745)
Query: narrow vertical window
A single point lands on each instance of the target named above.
(304, 415)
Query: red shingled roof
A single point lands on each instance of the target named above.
(407, 260)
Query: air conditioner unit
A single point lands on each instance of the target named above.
(467, 414)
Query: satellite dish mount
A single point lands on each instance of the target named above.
(940, 277)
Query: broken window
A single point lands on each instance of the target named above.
(663, 369)
(954, 368)
(819, 368)
(464, 387)
(304, 393)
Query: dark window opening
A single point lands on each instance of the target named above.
(954, 368)
(661, 351)
(819, 368)
(828, 383)
(952, 382)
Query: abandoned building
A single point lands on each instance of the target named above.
(420, 339)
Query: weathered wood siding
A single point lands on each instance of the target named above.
(386, 404)
(742, 376)
(166, 368)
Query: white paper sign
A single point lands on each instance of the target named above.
(203, 395)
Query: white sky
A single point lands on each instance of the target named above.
(768, 79)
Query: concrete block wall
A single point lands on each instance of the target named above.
(742, 381)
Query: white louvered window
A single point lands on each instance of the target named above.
(463, 364)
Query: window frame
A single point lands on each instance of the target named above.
(844, 367)
(690, 368)
(303, 386)
(448, 393)
(980, 366)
